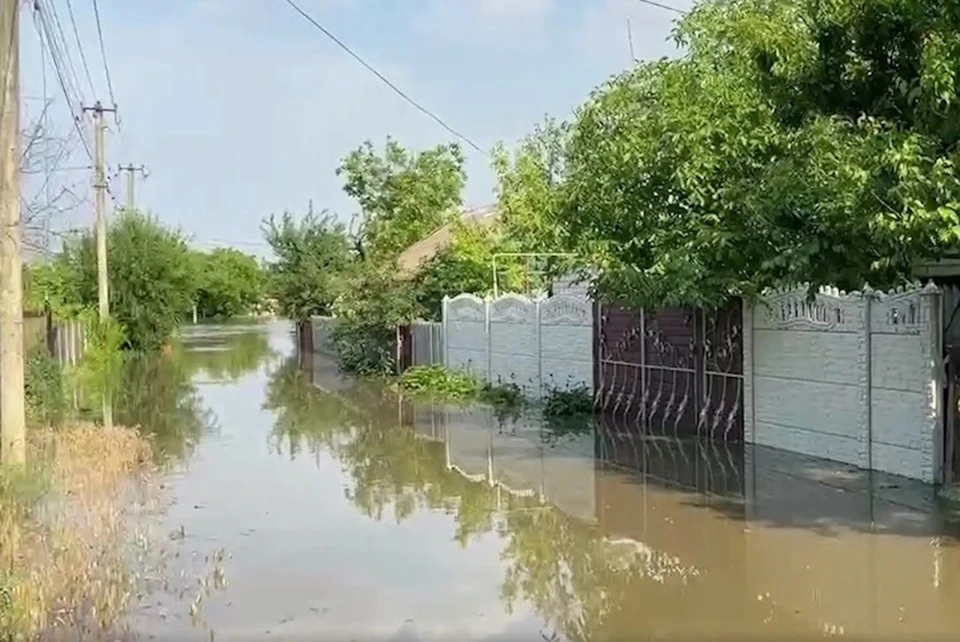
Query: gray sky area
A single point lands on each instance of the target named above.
(241, 108)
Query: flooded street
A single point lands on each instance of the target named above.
(338, 511)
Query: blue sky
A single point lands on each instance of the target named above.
(240, 108)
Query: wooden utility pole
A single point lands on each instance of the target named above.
(13, 422)
(131, 170)
(100, 186)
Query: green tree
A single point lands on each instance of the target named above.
(151, 280)
(310, 255)
(372, 302)
(51, 284)
(229, 283)
(403, 195)
(528, 189)
(795, 141)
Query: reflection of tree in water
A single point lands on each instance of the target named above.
(157, 395)
(227, 358)
(303, 415)
(390, 466)
(587, 586)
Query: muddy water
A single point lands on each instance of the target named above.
(346, 513)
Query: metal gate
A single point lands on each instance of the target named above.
(675, 371)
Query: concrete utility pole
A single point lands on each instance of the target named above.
(13, 422)
(131, 171)
(100, 185)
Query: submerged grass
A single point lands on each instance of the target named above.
(66, 530)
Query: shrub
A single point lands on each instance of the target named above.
(45, 389)
(441, 382)
(569, 402)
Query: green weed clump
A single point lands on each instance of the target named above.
(570, 402)
(439, 382)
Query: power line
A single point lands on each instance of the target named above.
(383, 78)
(665, 7)
(65, 48)
(83, 56)
(61, 79)
(103, 55)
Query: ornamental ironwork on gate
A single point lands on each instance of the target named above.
(673, 372)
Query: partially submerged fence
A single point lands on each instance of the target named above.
(671, 372)
(852, 377)
(536, 344)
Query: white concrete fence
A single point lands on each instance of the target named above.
(851, 377)
(537, 344)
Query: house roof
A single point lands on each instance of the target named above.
(411, 259)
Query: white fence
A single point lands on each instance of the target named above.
(426, 338)
(537, 344)
(69, 342)
(851, 377)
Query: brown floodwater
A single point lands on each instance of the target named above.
(336, 510)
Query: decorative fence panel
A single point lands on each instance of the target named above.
(536, 344)
(675, 372)
(851, 377)
(465, 338)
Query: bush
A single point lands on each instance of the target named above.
(152, 279)
(45, 389)
(568, 403)
(364, 349)
(439, 381)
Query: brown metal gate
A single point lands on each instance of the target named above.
(675, 371)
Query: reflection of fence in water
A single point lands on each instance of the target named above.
(513, 454)
(711, 467)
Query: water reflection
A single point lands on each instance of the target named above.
(224, 353)
(158, 392)
(609, 534)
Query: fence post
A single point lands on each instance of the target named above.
(867, 374)
(443, 325)
(749, 420)
(537, 310)
(486, 325)
(931, 311)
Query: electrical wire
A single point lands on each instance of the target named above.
(383, 78)
(55, 16)
(665, 7)
(60, 73)
(83, 56)
(103, 55)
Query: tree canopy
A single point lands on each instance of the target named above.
(403, 195)
(795, 141)
(151, 277)
(310, 256)
(230, 283)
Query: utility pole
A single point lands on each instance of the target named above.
(13, 421)
(100, 185)
(131, 171)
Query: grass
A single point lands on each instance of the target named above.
(65, 531)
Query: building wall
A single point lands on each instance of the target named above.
(851, 377)
(536, 344)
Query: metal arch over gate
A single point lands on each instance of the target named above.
(676, 372)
